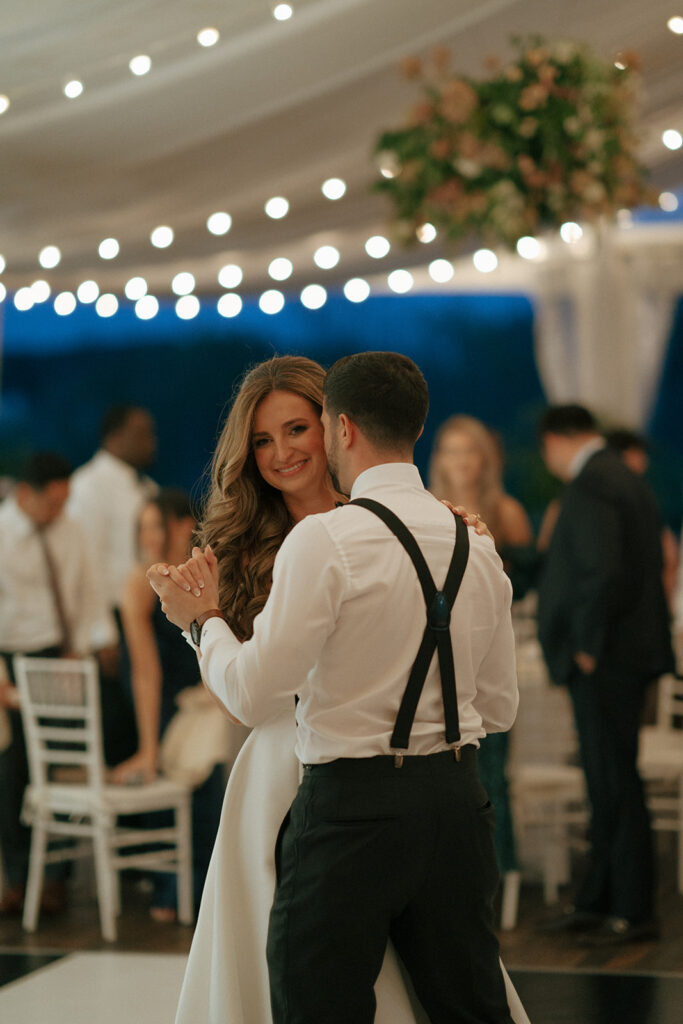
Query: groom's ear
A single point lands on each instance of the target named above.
(347, 430)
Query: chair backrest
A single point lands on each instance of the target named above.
(60, 709)
(670, 702)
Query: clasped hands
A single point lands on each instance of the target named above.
(186, 590)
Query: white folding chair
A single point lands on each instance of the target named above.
(68, 796)
(547, 790)
(660, 762)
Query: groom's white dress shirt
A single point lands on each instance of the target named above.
(344, 621)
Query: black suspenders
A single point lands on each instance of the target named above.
(437, 634)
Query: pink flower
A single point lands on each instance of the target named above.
(458, 100)
(533, 96)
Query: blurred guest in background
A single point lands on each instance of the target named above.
(466, 469)
(162, 665)
(50, 606)
(107, 494)
(604, 629)
(634, 450)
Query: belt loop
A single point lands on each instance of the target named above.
(398, 760)
(456, 751)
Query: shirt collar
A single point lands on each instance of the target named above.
(116, 464)
(23, 525)
(396, 474)
(584, 453)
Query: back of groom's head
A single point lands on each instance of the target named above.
(383, 393)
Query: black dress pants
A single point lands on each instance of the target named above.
(620, 876)
(371, 852)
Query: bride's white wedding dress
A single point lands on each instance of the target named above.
(226, 979)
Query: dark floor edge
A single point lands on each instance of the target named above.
(611, 971)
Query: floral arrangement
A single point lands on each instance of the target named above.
(545, 139)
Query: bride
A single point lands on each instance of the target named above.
(269, 471)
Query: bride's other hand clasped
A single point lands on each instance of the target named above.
(186, 590)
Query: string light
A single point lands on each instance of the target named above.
(528, 247)
(571, 232)
(668, 202)
(672, 139)
(313, 296)
(280, 268)
(485, 260)
(326, 257)
(219, 223)
(140, 65)
(426, 233)
(73, 89)
(229, 305)
(441, 271)
(135, 288)
(23, 299)
(208, 37)
(3, 292)
(88, 291)
(283, 12)
(356, 290)
(187, 307)
(2, 264)
(377, 247)
(147, 307)
(64, 304)
(49, 257)
(182, 284)
(4, 103)
(675, 25)
(230, 276)
(400, 281)
(333, 188)
(271, 301)
(106, 305)
(108, 249)
(277, 207)
(40, 290)
(161, 237)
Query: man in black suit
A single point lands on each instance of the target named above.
(604, 629)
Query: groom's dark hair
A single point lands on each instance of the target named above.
(384, 393)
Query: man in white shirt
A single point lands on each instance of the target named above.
(107, 496)
(108, 492)
(50, 606)
(390, 834)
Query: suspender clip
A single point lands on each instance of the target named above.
(457, 754)
(398, 760)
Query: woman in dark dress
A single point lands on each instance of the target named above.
(161, 665)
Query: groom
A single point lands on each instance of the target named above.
(390, 834)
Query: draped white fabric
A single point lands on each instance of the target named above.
(604, 313)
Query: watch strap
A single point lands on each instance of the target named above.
(213, 613)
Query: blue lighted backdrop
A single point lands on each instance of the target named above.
(60, 374)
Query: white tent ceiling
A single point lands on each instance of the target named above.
(274, 108)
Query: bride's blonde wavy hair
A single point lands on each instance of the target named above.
(245, 519)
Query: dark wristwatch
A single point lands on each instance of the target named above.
(197, 624)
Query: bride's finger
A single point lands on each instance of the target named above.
(183, 579)
(192, 572)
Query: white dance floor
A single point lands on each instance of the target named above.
(97, 988)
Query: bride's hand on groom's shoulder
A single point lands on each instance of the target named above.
(470, 518)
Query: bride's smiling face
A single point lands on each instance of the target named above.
(287, 439)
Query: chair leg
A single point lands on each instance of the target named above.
(36, 871)
(680, 834)
(508, 915)
(183, 816)
(106, 898)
